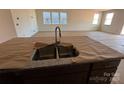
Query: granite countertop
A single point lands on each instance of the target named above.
(17, 53)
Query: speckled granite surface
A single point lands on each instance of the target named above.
(17, 53)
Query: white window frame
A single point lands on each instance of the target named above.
(108, 18)
(96, 18)
(51, 18)
(55, 20)
(61, 18)
(44, 21)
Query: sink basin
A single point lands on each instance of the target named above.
(47, 52)
(64, 50)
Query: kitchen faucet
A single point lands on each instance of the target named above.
(56, 40)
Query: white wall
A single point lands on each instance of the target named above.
(78, 20)
(27, 25)
(117, 22)
(7, 30)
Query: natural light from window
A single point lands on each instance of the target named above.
(122, 32)
(95, 19)
(108, 18)
(55, 18)
(46, 18)
(63, 18)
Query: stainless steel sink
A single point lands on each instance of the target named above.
(62, 50)
(47, 52)
(67, 50)
(56, 50)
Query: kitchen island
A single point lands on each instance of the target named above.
(93, 64)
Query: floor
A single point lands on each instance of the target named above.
(114, 41)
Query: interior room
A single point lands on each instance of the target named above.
(61, 46)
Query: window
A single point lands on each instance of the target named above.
(46, 18)
(122, 32)
(63, 18)
(54, 17)
(108, 18)
(96, 18)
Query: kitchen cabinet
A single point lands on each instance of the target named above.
(81, 73)
(102, 73)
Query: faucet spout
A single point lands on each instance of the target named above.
(56, 39)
